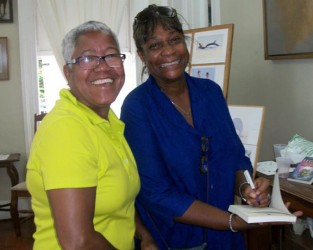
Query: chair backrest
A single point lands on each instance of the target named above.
(37, 119)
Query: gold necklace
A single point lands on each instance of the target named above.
(188, 113)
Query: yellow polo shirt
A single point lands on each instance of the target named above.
(75, 148)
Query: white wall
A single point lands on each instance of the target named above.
(284, 87)
(12, 137)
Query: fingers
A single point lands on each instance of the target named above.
(287, 204)
(265, 199)
(296, 213)
(262, 184)
(257, 199)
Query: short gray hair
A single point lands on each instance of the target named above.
(70, 40)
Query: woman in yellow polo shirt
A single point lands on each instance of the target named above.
(81, 173)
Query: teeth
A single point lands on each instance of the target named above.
(102, 81)
(169, 64)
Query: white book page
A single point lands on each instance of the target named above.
(277, 201)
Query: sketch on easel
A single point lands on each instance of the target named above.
(248, 122)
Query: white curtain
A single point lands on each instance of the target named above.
(195, 12)
(60, 16)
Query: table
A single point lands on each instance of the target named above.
(301, 197)
(12, 173)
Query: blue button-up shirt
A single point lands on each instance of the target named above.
(168, 152)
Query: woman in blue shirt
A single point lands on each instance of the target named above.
(190, 158)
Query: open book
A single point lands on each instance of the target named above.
(276, 212)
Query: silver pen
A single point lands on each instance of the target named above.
(250, 182)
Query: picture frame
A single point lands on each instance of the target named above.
(6, 11)
(283, 38)
(4, 67)
(188, 38)
(248, 122)
(210, 53)
(209, 46)
(212, 72)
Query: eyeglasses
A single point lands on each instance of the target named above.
(165, 11)
(204, 164)
(91, 62)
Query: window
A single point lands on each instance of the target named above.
(51, 81)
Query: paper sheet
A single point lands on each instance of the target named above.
(277, 201)
(267, 167)
(3, 157)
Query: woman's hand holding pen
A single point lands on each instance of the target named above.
(258, 195)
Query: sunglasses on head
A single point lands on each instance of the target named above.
(153, 9)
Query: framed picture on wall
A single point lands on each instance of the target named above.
(210, 46)
(288, 30)
(212, 72)
(6, 11)
(210, 53)
(188, 38)
(4, 67)
(248, 122)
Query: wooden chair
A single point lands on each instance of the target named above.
(20, 190)
(37, 120)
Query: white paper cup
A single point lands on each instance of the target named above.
(277, 149)
(299, 226)
(309, 222)
(283, 165)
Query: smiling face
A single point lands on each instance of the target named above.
(97, 88)
(166, 55)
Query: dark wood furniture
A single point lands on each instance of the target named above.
(282, 237)
(37, 120)
(11, 170)
(8, 240)
(20, 190)
(300, 195)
